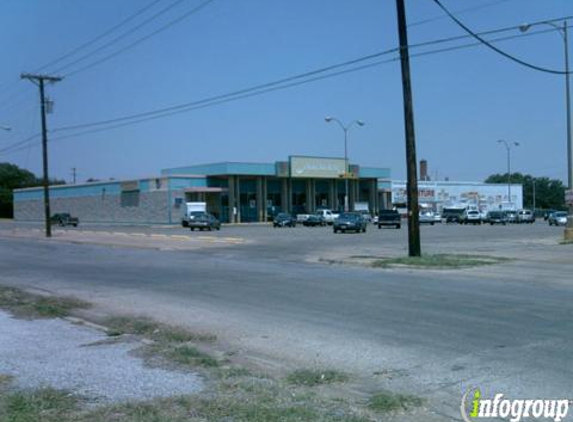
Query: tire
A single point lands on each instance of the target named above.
(431, 224)
(379, 226)
(398, 226)
(192, 229)
(335, 231)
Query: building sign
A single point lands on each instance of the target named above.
(312, 167)
(129, 185)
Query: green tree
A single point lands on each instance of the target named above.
(13, 177)
(549, 193)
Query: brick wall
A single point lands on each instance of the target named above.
(105, 208)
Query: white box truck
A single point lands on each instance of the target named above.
(191, 209)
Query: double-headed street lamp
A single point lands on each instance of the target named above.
(508, 146)
(562, 29)
(345, 128)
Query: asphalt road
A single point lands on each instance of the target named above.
(504, 328)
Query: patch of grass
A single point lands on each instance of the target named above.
(45, 405)
(389, 402)
(234, 372)
(24, 304)
(439, 261)
(153, 330)
(314, 377)
(189, 355)
(48, 405)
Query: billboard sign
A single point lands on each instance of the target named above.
(313, 167)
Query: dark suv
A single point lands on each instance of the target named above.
(64, 219)
(350, 221)
(204, 221)
(284, 219)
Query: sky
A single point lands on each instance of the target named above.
(465, 100)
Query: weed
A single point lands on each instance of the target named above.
(389, 402)
(314, 377)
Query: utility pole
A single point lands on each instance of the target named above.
(414, 248)
(74, 175)
(40, 81)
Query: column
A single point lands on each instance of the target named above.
(372, 197)
(231, 193)
(308, 195)
(284, 196)
(265, 199)
(260, 199)
(238, 202)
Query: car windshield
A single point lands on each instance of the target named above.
(349, 216)
(196, 213)
(560, 214)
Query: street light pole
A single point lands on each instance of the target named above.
(345, 128)
(564, 34)
(508, 146)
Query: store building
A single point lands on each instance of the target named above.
(234, 192)
(435, 195)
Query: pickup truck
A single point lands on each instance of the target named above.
(327, 216)
(64, 219)
(389, 218)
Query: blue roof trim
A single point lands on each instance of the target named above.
(375, 172)
(225, 168)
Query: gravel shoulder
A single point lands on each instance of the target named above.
(62, 355)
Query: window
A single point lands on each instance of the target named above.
(130, 198)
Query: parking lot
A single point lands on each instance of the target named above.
(528, 242)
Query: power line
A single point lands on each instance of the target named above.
(285, 83)
(288, 79)
(497, 50)
(83, 46)
(121, 36)
(140, 40)
(458, 12)
(100, 36)
(251, 92)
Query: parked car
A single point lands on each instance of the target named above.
(64, 219)
(471, 217)
(558, 218)
(314, 220)
(204, 221)
(327, 215)
(453, 215)
(189, 216)
(350, 221)
(511, 216)
(496, 217)
(389, 218)
(525, 216)
(366, 215)
(426, 217)
(547, 214)
(284, 219)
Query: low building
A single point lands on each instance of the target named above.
(435, 195)
(234, 192)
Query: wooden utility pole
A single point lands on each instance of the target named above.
(414, 248)
(40, 81)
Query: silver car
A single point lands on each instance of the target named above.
(558, 218)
